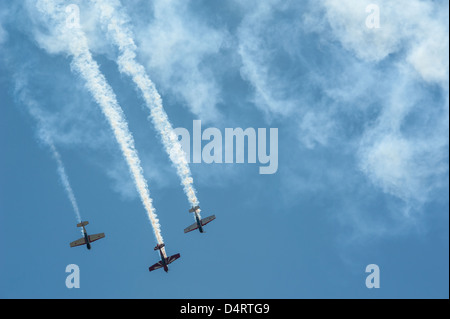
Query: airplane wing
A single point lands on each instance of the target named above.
(191, 228)
(78, 242)
(171, 259)
(156, 266)
(206, 220)
(96, 237)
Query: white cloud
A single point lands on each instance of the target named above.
(347, 20)
(175, 45)
(50, 38)
(407, 160)
(430, 57)
(392, 79)
(309, 133)
(5, 13)
(256, 48)
(389, 163)
(273, 50)
(419, 27)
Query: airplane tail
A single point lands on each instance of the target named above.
(193, 209)
(159, 246)
(82, 224)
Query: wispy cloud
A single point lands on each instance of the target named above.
(417, 28)
(399, 153)
(176, 45)
(373, 71)
(257, 49)
(376, 97)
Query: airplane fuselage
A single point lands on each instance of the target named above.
(199, 224)
(86, 238)
(163, 260)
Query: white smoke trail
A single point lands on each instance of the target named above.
(65, 180)
(116, 25)
(44, 136)
(84, 64)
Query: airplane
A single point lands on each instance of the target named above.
(199, 222)
(87, 239)
(165, 261)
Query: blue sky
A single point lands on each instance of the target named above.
(362, 118)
